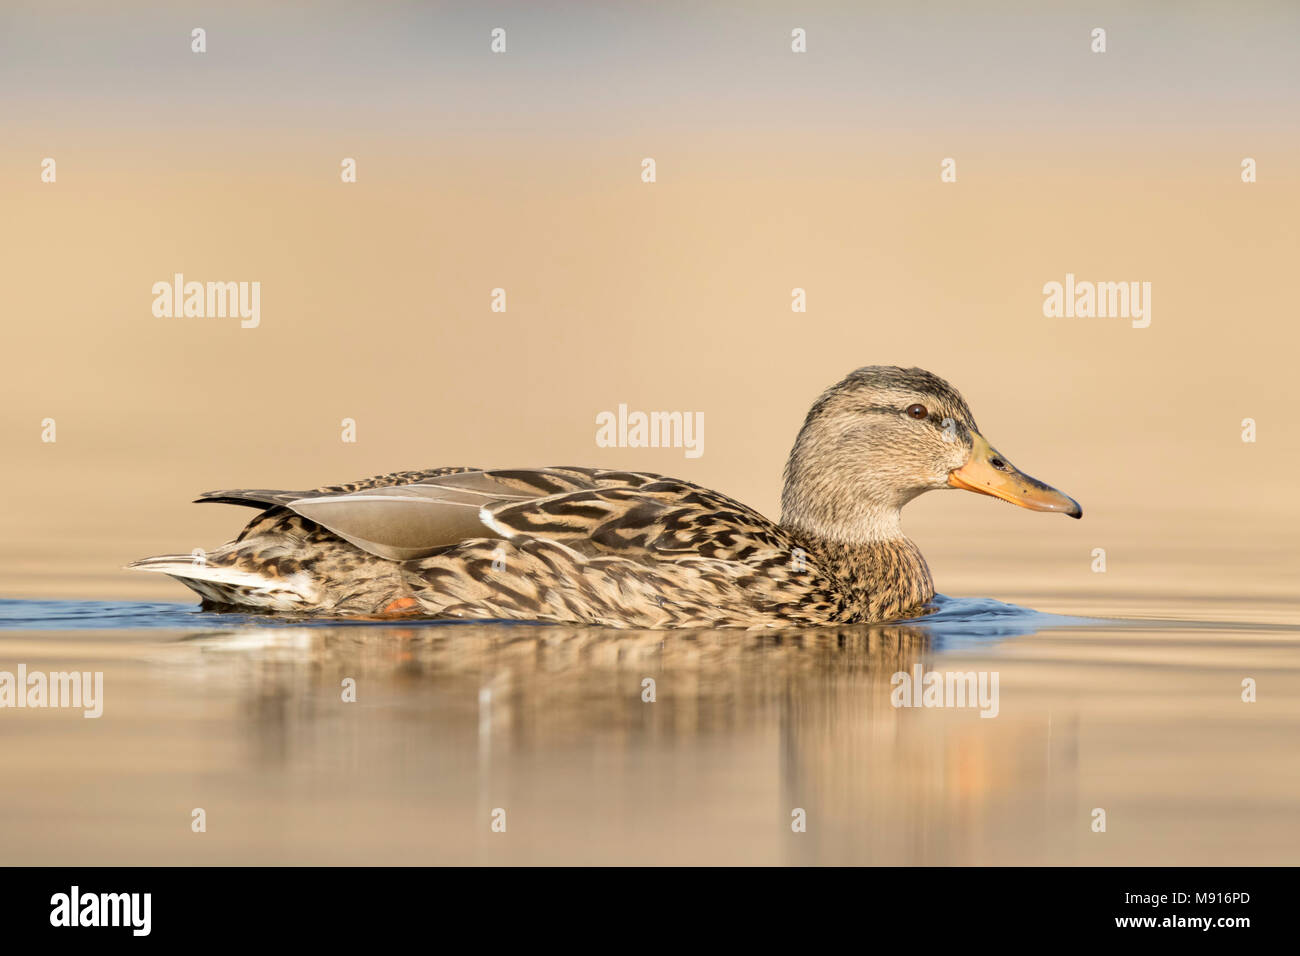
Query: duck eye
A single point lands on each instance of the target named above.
(917, 411)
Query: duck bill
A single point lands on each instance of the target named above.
(989, 473)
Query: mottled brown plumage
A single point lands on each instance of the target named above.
(624, 549)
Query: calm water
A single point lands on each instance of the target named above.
(243, 717)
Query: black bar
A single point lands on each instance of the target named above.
(981, 906)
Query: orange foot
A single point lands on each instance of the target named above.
(401, 606)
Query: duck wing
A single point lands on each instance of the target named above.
(414, 514)
(660, 518)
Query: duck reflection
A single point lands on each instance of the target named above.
(683, 727)
(522, 686)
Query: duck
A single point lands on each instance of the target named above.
(627, 549)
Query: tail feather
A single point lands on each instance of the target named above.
(229, 584)
(262, 498)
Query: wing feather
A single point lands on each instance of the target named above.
(410, 515)
(437, 509)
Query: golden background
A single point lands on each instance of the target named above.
(775, 171)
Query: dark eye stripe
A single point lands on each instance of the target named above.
(937, 417)
(891, 410)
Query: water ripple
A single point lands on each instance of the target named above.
(954, 619)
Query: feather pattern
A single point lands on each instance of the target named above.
(578, 545)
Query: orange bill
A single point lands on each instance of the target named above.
(990, 474)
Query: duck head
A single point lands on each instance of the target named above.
(884, 435)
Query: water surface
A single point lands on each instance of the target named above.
(243, 716)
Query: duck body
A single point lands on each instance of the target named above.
(625, 549)
(565, 544)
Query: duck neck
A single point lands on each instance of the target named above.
(879, 580)
(861, 546)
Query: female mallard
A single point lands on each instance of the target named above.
(626, 549)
